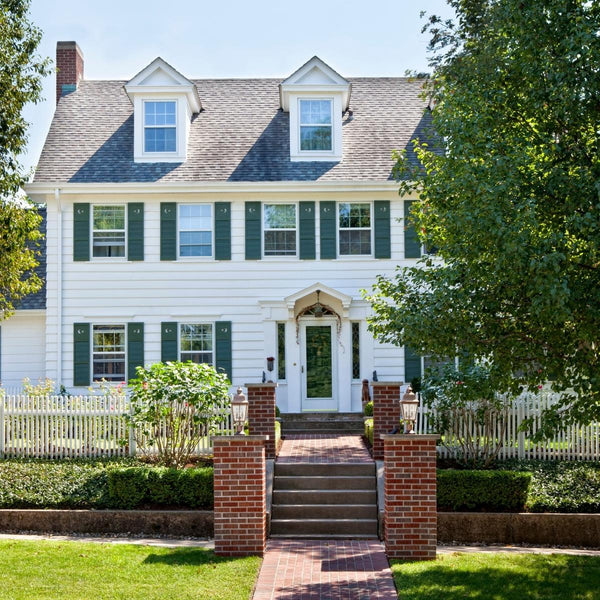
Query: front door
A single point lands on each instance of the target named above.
(318, 368)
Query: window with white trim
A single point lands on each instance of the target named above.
(195, 230)
(108, 353)
(196, 342)
(160, 126)
(108, 231)
(354, 227)
(279, 229)
(316, 125)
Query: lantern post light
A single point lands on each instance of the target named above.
(408, 410)
(239, 411)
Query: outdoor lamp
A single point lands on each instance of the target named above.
(239, 411)
(408, 410)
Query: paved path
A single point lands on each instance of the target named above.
(325, 570)
(324, 448)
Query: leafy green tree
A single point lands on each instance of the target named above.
(21, 72)
(508, 191)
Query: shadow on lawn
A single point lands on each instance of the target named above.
(514, 577)
(188, 556)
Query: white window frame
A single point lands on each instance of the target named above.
(92, 230)
(144, 127)
(179, 338)
(331, 126)
(338, 228)
(93, 352)
(264, 230)
(212, 231)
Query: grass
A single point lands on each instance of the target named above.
(47, 570)
(499, 576)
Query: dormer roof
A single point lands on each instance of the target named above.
(318, 77)
(160, 76)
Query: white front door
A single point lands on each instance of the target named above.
(318, 356)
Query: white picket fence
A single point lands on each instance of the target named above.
(575, 443)
(73, 427)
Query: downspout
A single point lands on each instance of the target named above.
(59, 286)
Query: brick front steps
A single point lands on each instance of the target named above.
(334, 500)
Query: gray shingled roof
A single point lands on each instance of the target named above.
(37, 300)
(240, 135)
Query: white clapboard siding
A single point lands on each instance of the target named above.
(576, 442)
(73, 427)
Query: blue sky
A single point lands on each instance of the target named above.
(229, 38)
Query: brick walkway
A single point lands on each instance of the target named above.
(325, 570)
(324, 448)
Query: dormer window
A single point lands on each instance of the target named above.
(160, 126)
(316, 98)
(164, 102)
(316, 125)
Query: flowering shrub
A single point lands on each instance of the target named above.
(174, 405)
(468, 412)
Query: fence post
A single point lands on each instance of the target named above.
(2, 425)
(132, 448)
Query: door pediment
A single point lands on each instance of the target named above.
(300, 300)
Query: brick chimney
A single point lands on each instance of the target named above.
(69, 62)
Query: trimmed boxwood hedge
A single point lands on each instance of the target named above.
(500, 491)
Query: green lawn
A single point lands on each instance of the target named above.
(499, 576)
(89, 571)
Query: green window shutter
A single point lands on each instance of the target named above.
(328, 225)
(253, 230)
(81, 353)
(223, 230)
(81, 231)
(168, 341)
(383, 247)
(223, 347)
(135, 231)
(412, 243)
(168, 231)
(307, 230)
(412, 365)
(135, 348)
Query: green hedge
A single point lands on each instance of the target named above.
(504, 491)
(136, 487)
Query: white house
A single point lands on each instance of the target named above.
(219, 220)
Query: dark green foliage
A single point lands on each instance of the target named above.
(368, 409)
(277, 412)
(137, 487)
(556, 486)
(494, 491)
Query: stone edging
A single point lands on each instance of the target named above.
(174, 523)
(552, 529)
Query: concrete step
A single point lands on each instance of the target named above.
(305, 527)
(328, 469)
(325, 483)
(336, 497)
(325, 536)
(286, 434)
(319, 426)
(321, 416)
(324, 511)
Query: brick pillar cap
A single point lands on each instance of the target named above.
(267, 384)
(64, 45)
(409, 436)
(239, 438)
(376, 383)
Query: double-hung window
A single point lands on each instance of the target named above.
(108, 353)
(196, 343)
(160, 126)
(354, 229)
(316, 125)
(195, 230)
(279, 229)
(108, 231)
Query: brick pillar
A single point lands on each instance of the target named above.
(410, 496)
(386, 412)
(240, 495)
(261, 412)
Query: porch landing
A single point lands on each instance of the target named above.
(323, 448)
